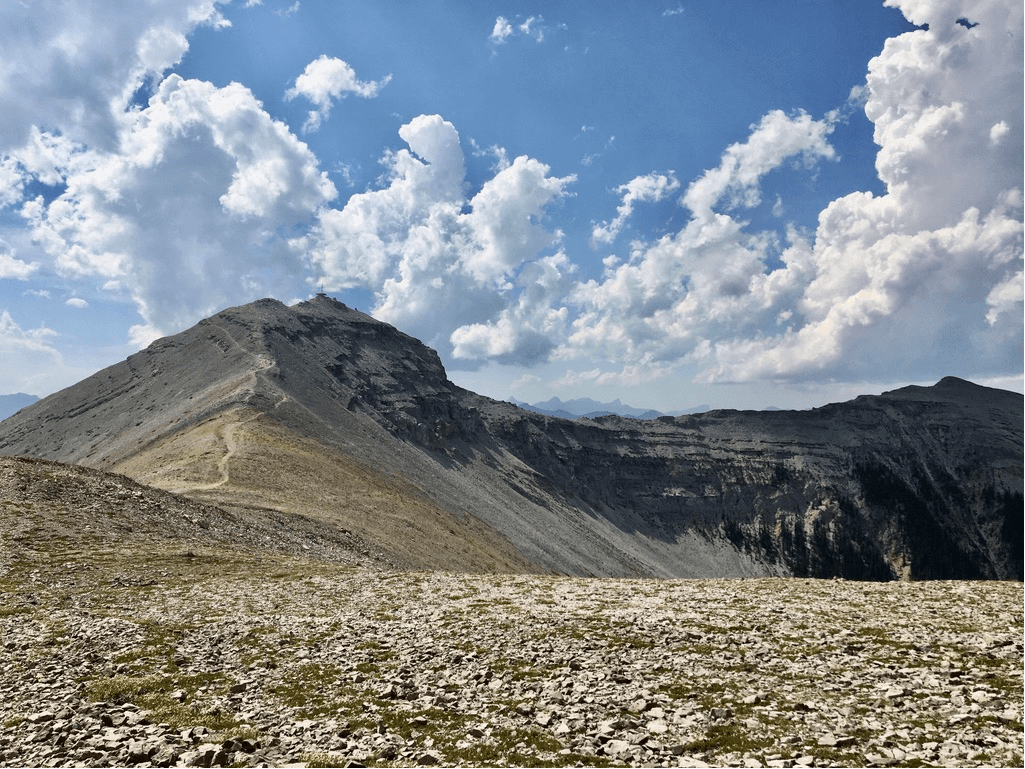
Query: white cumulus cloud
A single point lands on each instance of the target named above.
(75, 65)
(1005, 297)
(527, 328)
(650, 188)
(437, 257)
(709, 278)
(917, 283)
(185, 218)
(327, 79)
(11, 266)
(923, 280)
(775, 139)
(502, 30)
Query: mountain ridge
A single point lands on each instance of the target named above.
(12, 403)
(576, 408)
(914, 483)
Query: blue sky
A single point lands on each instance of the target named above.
(738, 204)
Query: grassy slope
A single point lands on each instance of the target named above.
(240, 459)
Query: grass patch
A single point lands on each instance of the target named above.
(881, 637)
(516, 747)
(630, 642)
(516, 670)
(841, 757)
(328, 760)
(439, 725)
(679, 692)
(728, 738)
(153, 694)
(317, 690)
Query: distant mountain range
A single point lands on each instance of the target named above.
(320, 419)
(12, 404)
(586, 407)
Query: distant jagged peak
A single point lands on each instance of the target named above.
(587, 407)
(11, 404)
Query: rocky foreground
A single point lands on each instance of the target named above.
(205, 658)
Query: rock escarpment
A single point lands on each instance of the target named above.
(915, 483)
(920, 482)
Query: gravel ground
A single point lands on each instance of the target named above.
(203, 658)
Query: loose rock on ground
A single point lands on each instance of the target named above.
(211, 660)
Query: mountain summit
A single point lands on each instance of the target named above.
(321, 412)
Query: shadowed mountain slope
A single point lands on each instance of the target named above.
(320, 411)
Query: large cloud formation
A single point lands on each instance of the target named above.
(707, 280)
(73, 67)
(921, 281)
(927, 278)
(173, 193)
(185, 197)
(181, 243)
(444, 264)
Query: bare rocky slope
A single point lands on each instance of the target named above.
(321, 412)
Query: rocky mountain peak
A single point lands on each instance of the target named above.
(323, 331)
(321, 350)
(955, 390)
(305, 362)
